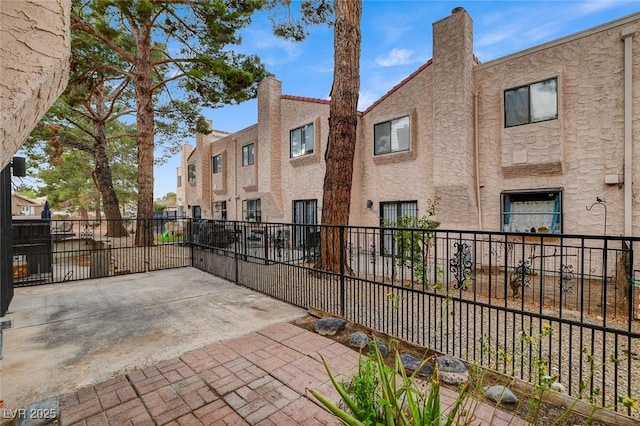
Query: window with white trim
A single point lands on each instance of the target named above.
(389, 214)
(217, 164)
(531, 103)
(251, 210)
(538, 211)
(391, 136)
(305, 212)
(220, 210)
(248, 154)
(301, 141)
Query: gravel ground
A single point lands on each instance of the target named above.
(547, 413)
(508, 341)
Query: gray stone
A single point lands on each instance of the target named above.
(452, 371)
(411, 363)
(329, 326)
(499, 393)
(359, 339)
(558, 387)
(381, 347)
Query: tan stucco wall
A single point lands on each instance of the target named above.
(453, 166)
(303, 177)
(182, 198)
(399, 176)
(34, 65)
(234, 173)
(574, 152)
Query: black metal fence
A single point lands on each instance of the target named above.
(64, 250)
(527, 305)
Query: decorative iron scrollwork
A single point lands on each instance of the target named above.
(86, 231)
(461, 266)
(372, 253)
(350, 251)
(279, 242)
(566, 278)
(520, 277)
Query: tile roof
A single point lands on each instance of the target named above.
(304, 99)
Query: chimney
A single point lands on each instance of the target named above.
(453, 89)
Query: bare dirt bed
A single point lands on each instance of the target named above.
(548, 414)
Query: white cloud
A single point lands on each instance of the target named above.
(326, 68)
(592, 6)
(397, 57)
(272, 50)
(366, 99)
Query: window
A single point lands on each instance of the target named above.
(391, 136)
(217, 164)
(302, 141)
(532, 103)
(196, 212)
(179, 181)
(537, 211)
(251, 210)
(248, 155)
(220, 210)
(191, 172)
(389, 214)
(305, 212)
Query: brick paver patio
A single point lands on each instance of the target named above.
(258, 379)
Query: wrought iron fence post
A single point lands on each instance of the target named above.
(147, 248)
(235, 253)
(265, 243)
(342, 271)
(191, 242)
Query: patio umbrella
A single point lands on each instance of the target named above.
(46, 211)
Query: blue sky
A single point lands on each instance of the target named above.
(396, 40)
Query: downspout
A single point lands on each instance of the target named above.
(477, 158)
(235, 178)
(627, 36)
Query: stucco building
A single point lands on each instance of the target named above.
(521, 143)
(35, 47)
(25, 206)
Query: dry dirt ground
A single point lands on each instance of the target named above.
(548, 414)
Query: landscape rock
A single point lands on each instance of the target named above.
(381, 347)
(499, 393)
(329, 326)
(411, 363)
(452, 371)
(359, 339)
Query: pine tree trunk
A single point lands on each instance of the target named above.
(104, 181)
(103, 176)
(145, 116)
(342, 135)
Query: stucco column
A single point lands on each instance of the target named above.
(453, 118)
(269, 148)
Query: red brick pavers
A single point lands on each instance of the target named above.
(261, 378)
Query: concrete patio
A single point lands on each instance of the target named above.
(70, 335)
(178, 347)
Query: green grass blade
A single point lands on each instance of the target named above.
(337, 411)
(343, 393)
